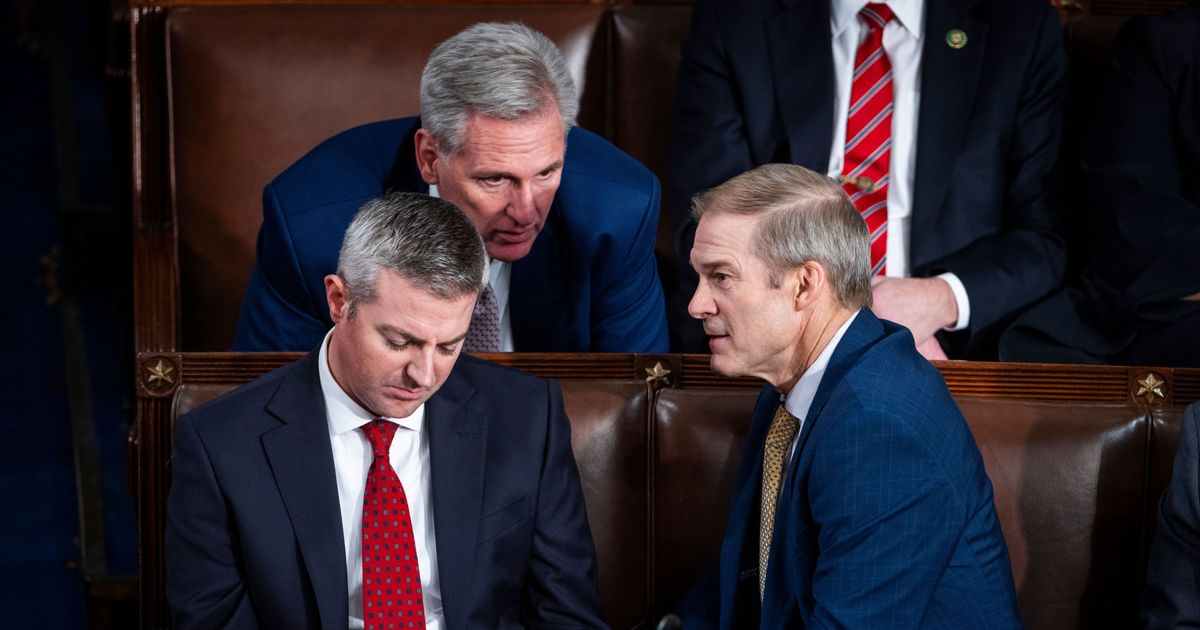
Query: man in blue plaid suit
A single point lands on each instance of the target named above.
(861, 500)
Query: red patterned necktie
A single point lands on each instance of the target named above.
(483, 335)
(869, 132)
(392, 595)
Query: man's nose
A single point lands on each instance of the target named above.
(701, 304)
(420, 369)
(522, 205)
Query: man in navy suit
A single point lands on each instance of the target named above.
(383, 478)
(567, 218)
(861, 500)
(1137, 301)
(974, 101)
(1172, 596)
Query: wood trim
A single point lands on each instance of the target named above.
(1185, 386)
(155, 260)
(154, 450)
(964, 378)
(1036, 381)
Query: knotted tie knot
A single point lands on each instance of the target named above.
(877, 15)
(380, 433)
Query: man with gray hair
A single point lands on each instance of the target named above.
(383, 481)
(861, 500)
(568, 220)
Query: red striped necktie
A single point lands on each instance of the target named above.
(869, 132)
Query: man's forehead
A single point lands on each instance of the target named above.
(724, 239)
(726, 230)
(511, 145)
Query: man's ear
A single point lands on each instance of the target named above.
(338, 297)
(427, 156)
(808, 283)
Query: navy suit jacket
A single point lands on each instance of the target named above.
(756, 86)
(254, 531)
(886, 516)
(589, 284)
(1172, 597)
(1142, 173)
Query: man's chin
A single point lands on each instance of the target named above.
(392, 407)
(723, 365)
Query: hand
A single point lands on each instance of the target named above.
(923, 305)
(1195, 297)
(932, 350)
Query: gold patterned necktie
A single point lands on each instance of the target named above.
(779, 441)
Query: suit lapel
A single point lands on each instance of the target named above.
(801, 57)
(302, 461)
(948, 82)
(861, 334)
(538, 292)
(457, 439)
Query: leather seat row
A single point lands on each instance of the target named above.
(1076, 456)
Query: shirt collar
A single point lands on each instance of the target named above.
(805, 389)
(342, 412)
(908, 12)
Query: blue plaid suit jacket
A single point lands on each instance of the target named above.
(886, 516)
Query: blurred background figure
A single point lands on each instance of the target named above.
(1138, 301)
(941, 118)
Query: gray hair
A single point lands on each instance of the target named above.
(506, 71)
(806, 217)
(428, 241)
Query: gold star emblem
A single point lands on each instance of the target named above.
(1151, 388)
(160, 372)
(657, 375)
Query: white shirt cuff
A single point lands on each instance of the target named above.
(960, 298)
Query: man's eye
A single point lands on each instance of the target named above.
(494, 180)
(448, 350)
(392, 345)
(720, 278)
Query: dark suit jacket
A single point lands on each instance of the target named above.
(254, 531)
(1172, 597)
(589, 284)
(756, 86)
(886, 516)
(1142, 170)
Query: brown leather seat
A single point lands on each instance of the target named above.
(610, 437)
(1076, 469)
(1068, 480)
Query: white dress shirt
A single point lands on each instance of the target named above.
(499, 274)
(409, 455)
(902, 39)
(800, 398)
